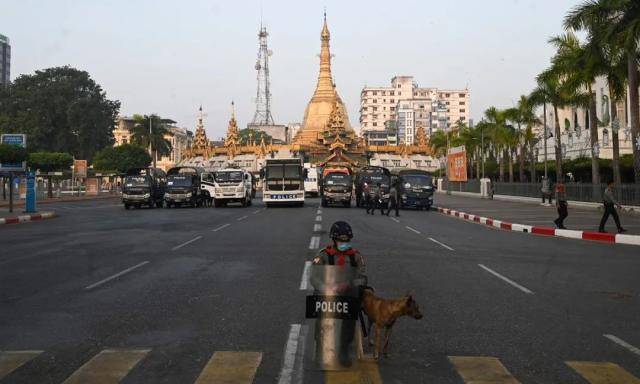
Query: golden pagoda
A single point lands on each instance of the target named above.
(324, 100)
(201, 145)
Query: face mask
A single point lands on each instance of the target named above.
(343, 246)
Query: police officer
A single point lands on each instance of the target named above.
(340, 251)
(376, 200)
(366, 196)
(394, 202)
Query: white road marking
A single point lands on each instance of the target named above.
(506, 279)
(394, 219)
(441, 244)
(289, 355)
(186, 243)
(115, 276)
(412, 230)
(220, 227)
(318, 218)
(257, 211)
(317, 227)
(623, 344)
(319, 212)
(304, 283)
(315, 242)
(242, 218)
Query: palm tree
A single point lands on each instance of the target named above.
(499, 133)
(150, 132)
(617, 22)
(579, 65)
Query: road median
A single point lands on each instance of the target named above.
(27, 218)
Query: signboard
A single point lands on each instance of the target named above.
(91, 186)
(457, 164)
(14, 139)
(332, 307)
(80, 168)
(22, 188)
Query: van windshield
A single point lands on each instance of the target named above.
(136, 181)
(229, 177)
(338, 179)
(416, 181)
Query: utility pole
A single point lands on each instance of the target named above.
(544, 119)
(482, 145)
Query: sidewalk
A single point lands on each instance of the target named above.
(18, 204)
(582, 219)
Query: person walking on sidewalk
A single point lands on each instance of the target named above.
(561, 205)
(610, 203)
(546, 190)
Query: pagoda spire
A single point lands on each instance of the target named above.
(325, 86)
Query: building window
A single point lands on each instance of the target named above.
(396, 163)
(384, 108)
(391, 101)
(124, 141)
(447, 95)
(375, 124)
(384, 100)
(399, 93)
(374, 108)
(375, 100)
(391, 94)
(392, 108)
(461, 95)
(383, 93)
(398, 85)
(462, 110)
(375, 93)
(447, 103)
(462, 103)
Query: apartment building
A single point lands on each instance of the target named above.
(410, 106)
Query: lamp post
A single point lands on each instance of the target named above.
(544, 119)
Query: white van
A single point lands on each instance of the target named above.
(232, 186)
(311, 181)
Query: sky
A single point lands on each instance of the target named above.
(170, 57)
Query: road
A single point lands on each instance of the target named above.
(199, 295)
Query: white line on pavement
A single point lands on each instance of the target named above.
(220, 227)
(186, 243)
(315, 242)
(317, 227)
(257, 211)
(304, 282)
(441, 244)
(241, 218)
(318, 218)
(412, 230)
(289, 355)
(506, 279)
(115, 276)
(394, 219)
(319, 212)
(623, 343)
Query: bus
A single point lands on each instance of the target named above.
(283, 182)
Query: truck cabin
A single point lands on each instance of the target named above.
(183, 177)
(374, 175)
(230, 176)
(283, 175)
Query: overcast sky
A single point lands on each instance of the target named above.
(168, 57)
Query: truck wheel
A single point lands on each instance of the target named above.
(347, 204)
(151, 204)
(244, 201)
(324, 202)
(159, 204)
(126, 206)
(249, 202)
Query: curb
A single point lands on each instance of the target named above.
(544, 231)
(20, 203)
(26, 218)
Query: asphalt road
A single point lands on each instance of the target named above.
(200, 295)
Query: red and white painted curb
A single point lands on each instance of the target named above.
(545, 231)
(26, 218)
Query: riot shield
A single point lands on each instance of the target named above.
(335, 305)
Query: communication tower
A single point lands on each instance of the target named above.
(263, 96)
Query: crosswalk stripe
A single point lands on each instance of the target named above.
(12, 360)
(107, 367)
(364, 371)
(487, 370)
(603, 373)
(230, 367)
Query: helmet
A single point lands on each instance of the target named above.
(341, 231)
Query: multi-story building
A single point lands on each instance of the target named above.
(411, 106)
(180, 139)
(5, 60)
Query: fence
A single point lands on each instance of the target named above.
(462, 186)
(626, 194)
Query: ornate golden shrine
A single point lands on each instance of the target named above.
(326, 136)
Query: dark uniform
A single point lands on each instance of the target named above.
(394, 202)
(561, 205)
(376, 200)
(610, 202)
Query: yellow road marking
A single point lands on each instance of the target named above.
(107, 367)
(228, 367)
(482, 370)
(12, 360)
(603, 373)
(362, 372)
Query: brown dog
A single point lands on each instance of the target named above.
(384, 313)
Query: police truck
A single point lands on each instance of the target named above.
(283, 181)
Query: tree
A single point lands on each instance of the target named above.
(121, 158)
(61, 109)
(10, 153)
(249, 134)
(50, 162)
(150, 132)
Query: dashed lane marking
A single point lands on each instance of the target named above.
(623, 344)
(242, 218)
(315, 242)
(231, 367)
(108, 366)
(108, 279)
(318, 218)
(304, 282)
(394, 219)
(223, 226)
(477, 369)
(441, 244)
(506, 279)
(317, 227)
(412, 229)
(256, 211)
(12, 360)
(319, 212)
(289, 355)
(186, 243)
(603, 373)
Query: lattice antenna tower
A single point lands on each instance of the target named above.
(263, 96)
